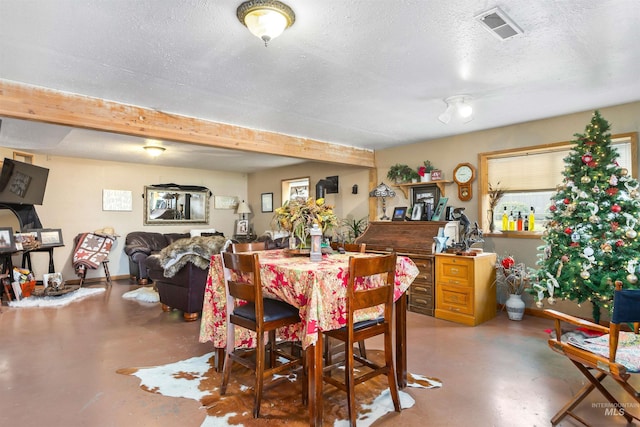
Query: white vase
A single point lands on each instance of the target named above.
(515, 307)
(426, 177)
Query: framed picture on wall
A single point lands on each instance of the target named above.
(267, 202)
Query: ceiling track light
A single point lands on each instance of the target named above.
(457, 104)
(266, 19)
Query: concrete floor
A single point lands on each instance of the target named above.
(58, 368)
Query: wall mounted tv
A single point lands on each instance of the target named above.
(22, 183)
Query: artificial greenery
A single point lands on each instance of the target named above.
(591, 238)
(354, 227)
(400, 173)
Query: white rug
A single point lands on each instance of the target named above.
(144, 294)
(60, 301)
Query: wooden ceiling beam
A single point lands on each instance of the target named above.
(27, 102)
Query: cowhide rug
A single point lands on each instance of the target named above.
(143, 294)
(197, 379)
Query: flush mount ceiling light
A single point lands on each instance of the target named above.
(457, 104)
(266, 19)
(154, 150)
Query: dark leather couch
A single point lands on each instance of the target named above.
(139, 245)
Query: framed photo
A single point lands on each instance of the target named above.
(53, 280)
(267, 202)
(439, 210)
(417, 212)
(7, 240)
(242, 227)
(50, 237)
(399, 213)
(429, 195)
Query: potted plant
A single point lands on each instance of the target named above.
(425, 170)
(354, 227)
(513, 278)
(399, 173)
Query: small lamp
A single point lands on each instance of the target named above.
(457, 104)
(316, 243)
(243, 209)
(266, 19)
(382, 191)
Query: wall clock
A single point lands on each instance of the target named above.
(463, 175)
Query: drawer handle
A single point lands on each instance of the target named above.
(418, 288)
(454, 309)
(454, 270)
(456, 282)
(421, 301)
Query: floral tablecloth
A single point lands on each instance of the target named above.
(318, 289)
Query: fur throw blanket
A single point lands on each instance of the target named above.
(197, 250)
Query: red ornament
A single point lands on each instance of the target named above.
(612, 191)
(574, 244)
(568, 230)
(614, 226)
(553, 208)
(567, 201)
(592, 164)
(508, 262)
(619, 243)
(587, 158)
(616, 208)
(564, 258)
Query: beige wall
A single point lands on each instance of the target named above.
(345, 203)
(73, 202)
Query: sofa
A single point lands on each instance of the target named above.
(139, 245)
(179, 272)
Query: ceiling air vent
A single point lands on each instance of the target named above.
(499, 24)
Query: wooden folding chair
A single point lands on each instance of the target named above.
(352, 332)
(609, 361)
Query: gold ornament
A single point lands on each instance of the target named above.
(632, 278)
(606, 247)
(631, 233)
(585, 179)
(624, 172)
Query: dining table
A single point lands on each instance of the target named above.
(318, 289)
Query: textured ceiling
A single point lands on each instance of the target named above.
(365, 73)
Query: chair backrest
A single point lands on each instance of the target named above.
(353, 247)
(248, 247)
(242, 279)
(360, 268)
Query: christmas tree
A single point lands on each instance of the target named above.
(591, 238)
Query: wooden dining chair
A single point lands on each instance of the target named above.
(352, 332)
(604, 356)
(258, 314)
(248, 247)
(331, 350)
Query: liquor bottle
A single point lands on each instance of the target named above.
(519, 221)
(505, 220)
(532, 219)
(512, 223)
(526, 223)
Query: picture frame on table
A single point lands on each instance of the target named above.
(417, 212)
(50, 237)
(267, 202)
(242, 227)
(7, 240)
(399, 213)
(439, 210)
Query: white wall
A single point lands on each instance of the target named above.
(73, 203)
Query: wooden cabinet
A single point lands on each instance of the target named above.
(465, 288)
(413, 239)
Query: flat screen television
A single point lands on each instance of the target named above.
(22, 183)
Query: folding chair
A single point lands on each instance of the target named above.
(601, 357)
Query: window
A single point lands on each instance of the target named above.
(296, 188)
(529, 177)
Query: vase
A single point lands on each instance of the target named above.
(515, 307)
(490, 219)
(426, 177)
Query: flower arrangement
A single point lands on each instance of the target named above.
(512, 277)
(298, 216)
(426, 167)
(495, 194)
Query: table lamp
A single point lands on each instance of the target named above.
(382, 191)
(243, 209)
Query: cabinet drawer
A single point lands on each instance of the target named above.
(455, 271)
(425, 268)
(420, 288)
(455, 298)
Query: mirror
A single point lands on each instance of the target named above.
(176, 204)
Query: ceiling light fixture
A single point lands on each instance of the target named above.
(154, 150)
(457, 104)
(266, 19)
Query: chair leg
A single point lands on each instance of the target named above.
(363, 350)
(349, 382)
(226, 371)
(259, 374)
(105, 266)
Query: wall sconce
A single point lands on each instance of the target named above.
(266, 19)
(354, 189)
(457, 104)
(154, 150)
